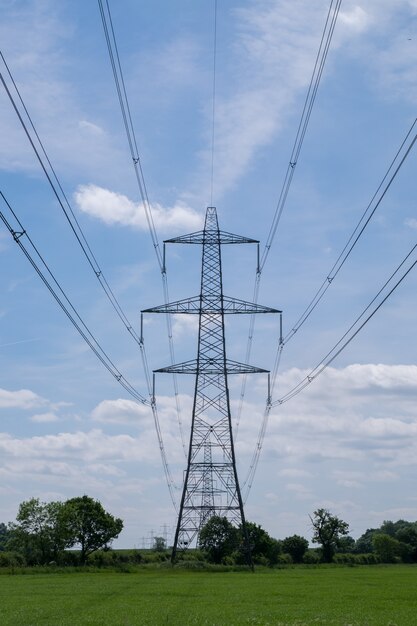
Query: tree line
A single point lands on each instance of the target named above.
(44, 532)
(391, 542)
(80, 531)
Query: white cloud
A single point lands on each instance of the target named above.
(356, 377)
(411, 222)
(273, 51)
(22, 399)
(121, 412)
(90, 127)
(115, 208)
(300, 491)
(293, 472)
(355, 19)
(105, 469)
(91, 446)
(185, 325)
(362, 414)
(43, 418)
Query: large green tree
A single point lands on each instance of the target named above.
(296, 547)
(386, 547)
(262, 546)
(218, 538)
(39, 532)
(327, 530)
(89, 525)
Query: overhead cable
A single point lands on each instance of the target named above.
(354, 329)
(322, 53)
(247, 483)
(389, 177)
(113, 51)
(63, 200)
(213, 111)
(321, 57)
(19, 235)
(88, 253)
(396, 164)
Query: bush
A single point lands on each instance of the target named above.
(102, 559)
(284, 559)
(12, 559)
(311, 557)
(344, 558)
(136, 557)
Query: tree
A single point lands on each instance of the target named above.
(4, 536)
(346, 545)
(401, 530)
(296, 547)
(386, 547)
(159, 544)
(364, 544)
(89, 525)
(327, 531)
(219, 538)
(39, 532)
(263, 548)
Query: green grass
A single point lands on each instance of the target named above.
(356, 596)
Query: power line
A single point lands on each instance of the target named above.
(113, 51)
(321, 57)
(247, 483)
(310, 98)
(128, 124)
(214, 102)
(69, 214)
(349, 335)
(88, 253)
(359, 228)
(70, 311)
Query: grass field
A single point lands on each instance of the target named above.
(370, 595)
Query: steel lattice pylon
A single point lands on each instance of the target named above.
(211, 485)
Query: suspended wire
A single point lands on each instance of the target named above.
(213, 102)
(359, 229)
(70, 311)
(320, 367)
(321, 58)
(341, 344)
(247, 360)
(73, 222)
(81, 239)
(128, 124)
(319, 64)
(353, 239)
(247, 483)
(118, 77)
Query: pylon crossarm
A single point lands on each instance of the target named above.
(211, 236)
(211, 305)
(211, 366)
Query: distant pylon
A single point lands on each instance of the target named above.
(211, 485)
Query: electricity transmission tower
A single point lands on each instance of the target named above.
(211, 485)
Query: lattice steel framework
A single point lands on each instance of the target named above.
(211, 485)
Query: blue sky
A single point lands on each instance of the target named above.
(348, 442)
